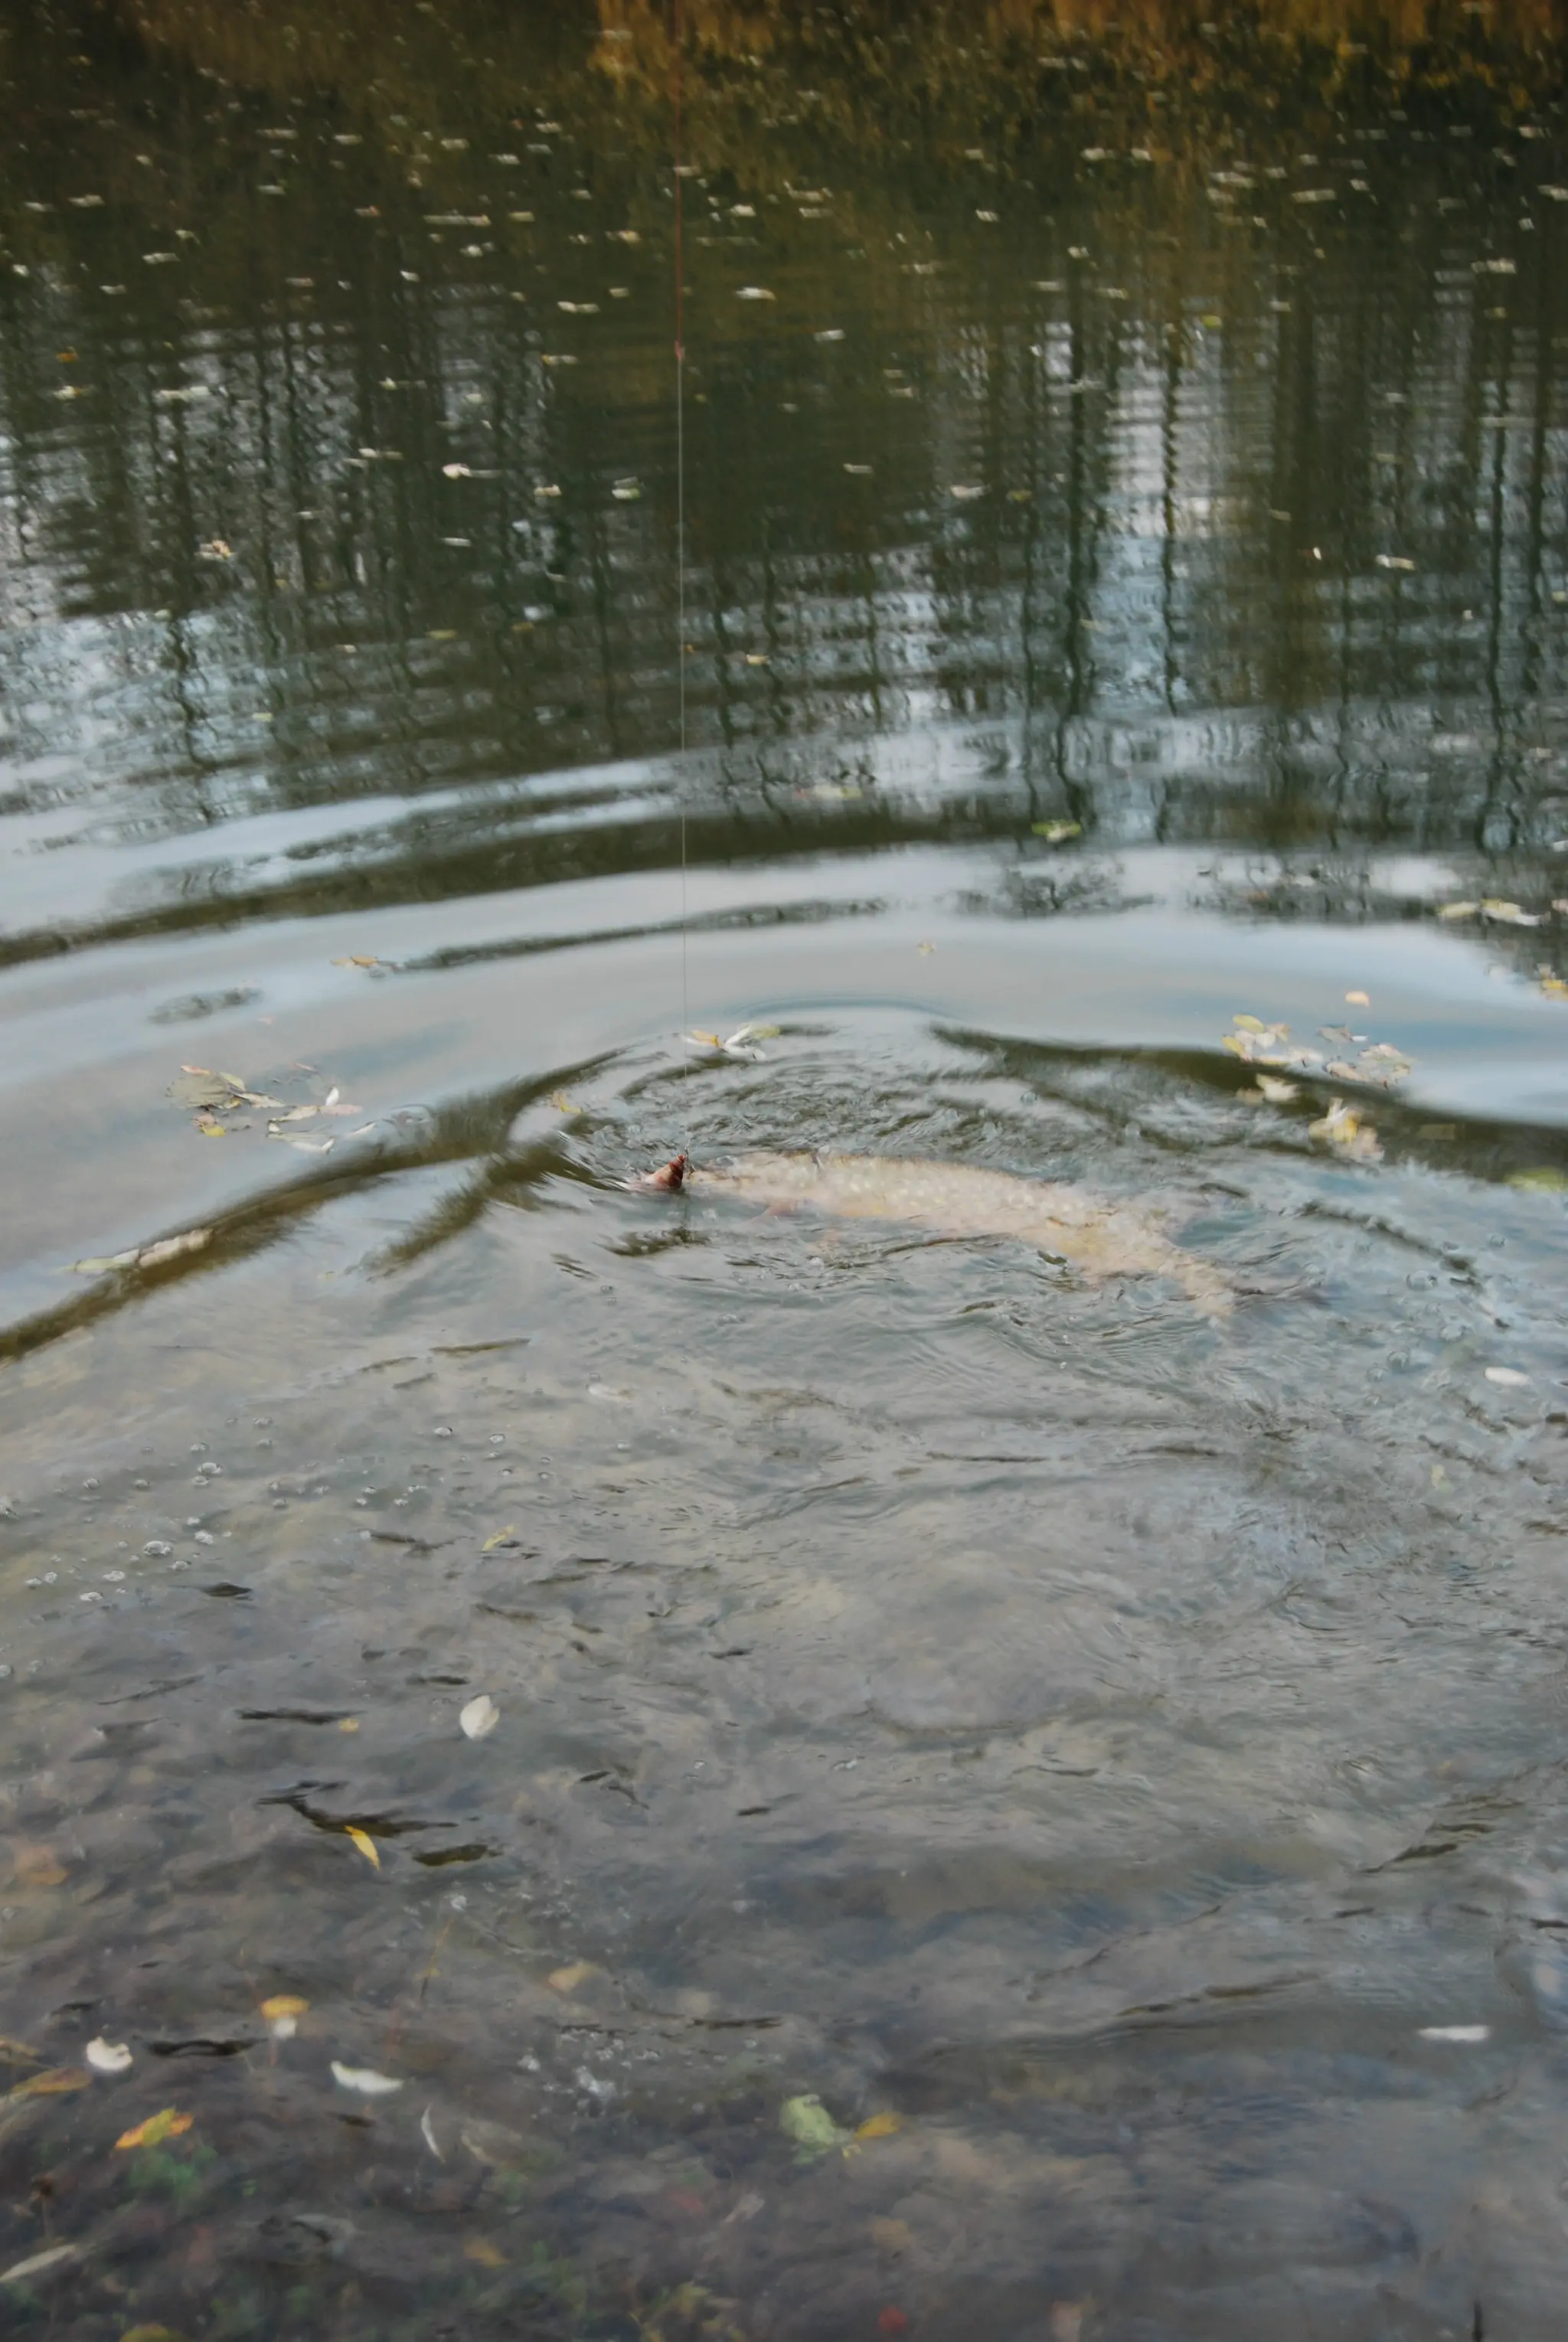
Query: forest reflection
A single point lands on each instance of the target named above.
(1193, 484)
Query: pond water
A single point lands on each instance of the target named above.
(621, 1764)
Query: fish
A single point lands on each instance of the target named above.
(1101, 1236)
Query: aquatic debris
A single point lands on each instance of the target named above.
(283, 2012)
(1099, 1236)
(569, 1979)
(480, 1717)
(364, 2080)
(59, 2082)
(1342, 1127)
(807, 2121)
(740, 1043)
(108, 2056)
(1379, 1063)
(365, 1842)
(427, 2132)
(1056, 833)
(1456, 2033)
(168, 2124)
(1507, 1378)
(36, 2263)
(36, 1866)
(1269, 1090)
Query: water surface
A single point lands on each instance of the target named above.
(1014, 1808)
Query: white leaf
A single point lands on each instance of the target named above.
(37, 2264)
(365, 2080)
(332, 1097)
(1509, 1377)
(108, 2056)
(480, 1716)
(1462, 2033)
(427, 2130)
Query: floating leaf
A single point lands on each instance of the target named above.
(1359, 999)
(754, 293)
(169, 2124)
(1545, 1181)
(499, 1537)
(1056, 833)
(480, 1717)
(1275, 1091)
(365, 2080)
(1507, 1378)
(1460, 2033)
(1457, 910)
(427, 2132)
(365, 1843)
(167, 1248)
(108, 2056)
(481, 2250)
(1507, 914)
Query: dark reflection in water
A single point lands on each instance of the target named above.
(587, 1766)
(1184, 495)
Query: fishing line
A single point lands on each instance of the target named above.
(681, 514)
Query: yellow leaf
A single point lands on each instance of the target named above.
(366, 1845)
(1359, 999)
(151, 2333)
(34, 1865)
(881, 2126)
(499, 1537)
(481, 2250)
(348, 1724)
(1250, 1024)
(169, 2124)
(283, 2004)
(55, 2083)
(563, 1103)
(567, 1979)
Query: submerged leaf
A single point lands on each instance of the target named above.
(807, 2121)
(169, 2124)
(58, 2083)
(364, 2080)
(283, 2012)
(36, 2263)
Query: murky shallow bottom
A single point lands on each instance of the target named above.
(1109, 1760)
